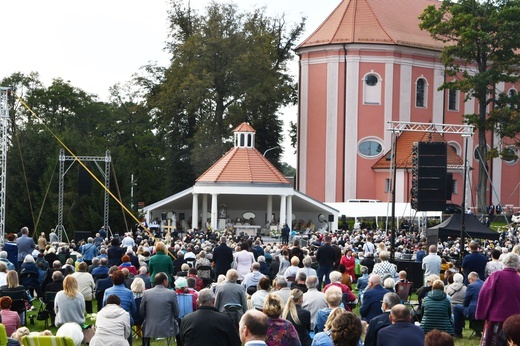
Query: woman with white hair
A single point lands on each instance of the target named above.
(456, 289)
(29, 274)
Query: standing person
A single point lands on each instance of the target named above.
(313, 300)
(11, 248)
(285, 234)
(160, 310)
(69, 304)
(42, 241)
(369, 248)
(431, 264)
(114, 253)
(253, 328)
(53, 237)
(25, 245)
(350, 264)
(222, 257)
(207, 326)
(495, 263)
(88, 251)
(243, 261)
(474, 262)
(499, 299)
(161, 262)
(112, 324)
(298, 316)
(325, 257)
(401, 332)
(279, 331)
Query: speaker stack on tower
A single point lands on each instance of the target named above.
(429, 176)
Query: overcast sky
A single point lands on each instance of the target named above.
(95, 44)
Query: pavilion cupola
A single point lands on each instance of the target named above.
(244, 136)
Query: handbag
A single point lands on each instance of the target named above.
(42, 315)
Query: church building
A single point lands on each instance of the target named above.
(366, 65)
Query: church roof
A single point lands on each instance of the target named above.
(377, 22)
(404, 150)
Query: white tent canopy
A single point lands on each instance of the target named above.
(380, 209)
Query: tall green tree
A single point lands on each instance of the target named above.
(481, 40)
(227, 67)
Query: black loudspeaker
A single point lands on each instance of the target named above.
(449, 186)
(432, 238)
(84, 181)
(414, 272)
(429, 176)
(81, 235)
(182, 216)
(331, 218)
(163, 216)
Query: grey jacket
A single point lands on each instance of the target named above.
(160, 310)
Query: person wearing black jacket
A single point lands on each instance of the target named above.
(325, 256)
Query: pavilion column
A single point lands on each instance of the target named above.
(289, 211)
(204, 211)
(283, 204)
(214, 211)
(269, 209)
(195, 212)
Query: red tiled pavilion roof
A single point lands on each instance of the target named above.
(244, 127)
(243, 165)
(375, 21)
(404, 150)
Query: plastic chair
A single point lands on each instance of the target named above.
(46, 340)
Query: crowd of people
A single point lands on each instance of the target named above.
(338, 288)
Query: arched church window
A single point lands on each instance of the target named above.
(421, 91)
(372, 89)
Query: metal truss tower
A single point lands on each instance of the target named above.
(60, 229)
(4, 123)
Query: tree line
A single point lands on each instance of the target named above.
(165, 127)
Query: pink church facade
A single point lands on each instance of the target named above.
(367, 64)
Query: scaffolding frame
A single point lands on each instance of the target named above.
(466, 131)
(4, 123)
(60, 228)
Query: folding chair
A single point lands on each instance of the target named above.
(49, 306)
(185, 301)
(19, 298)
(404, 291)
